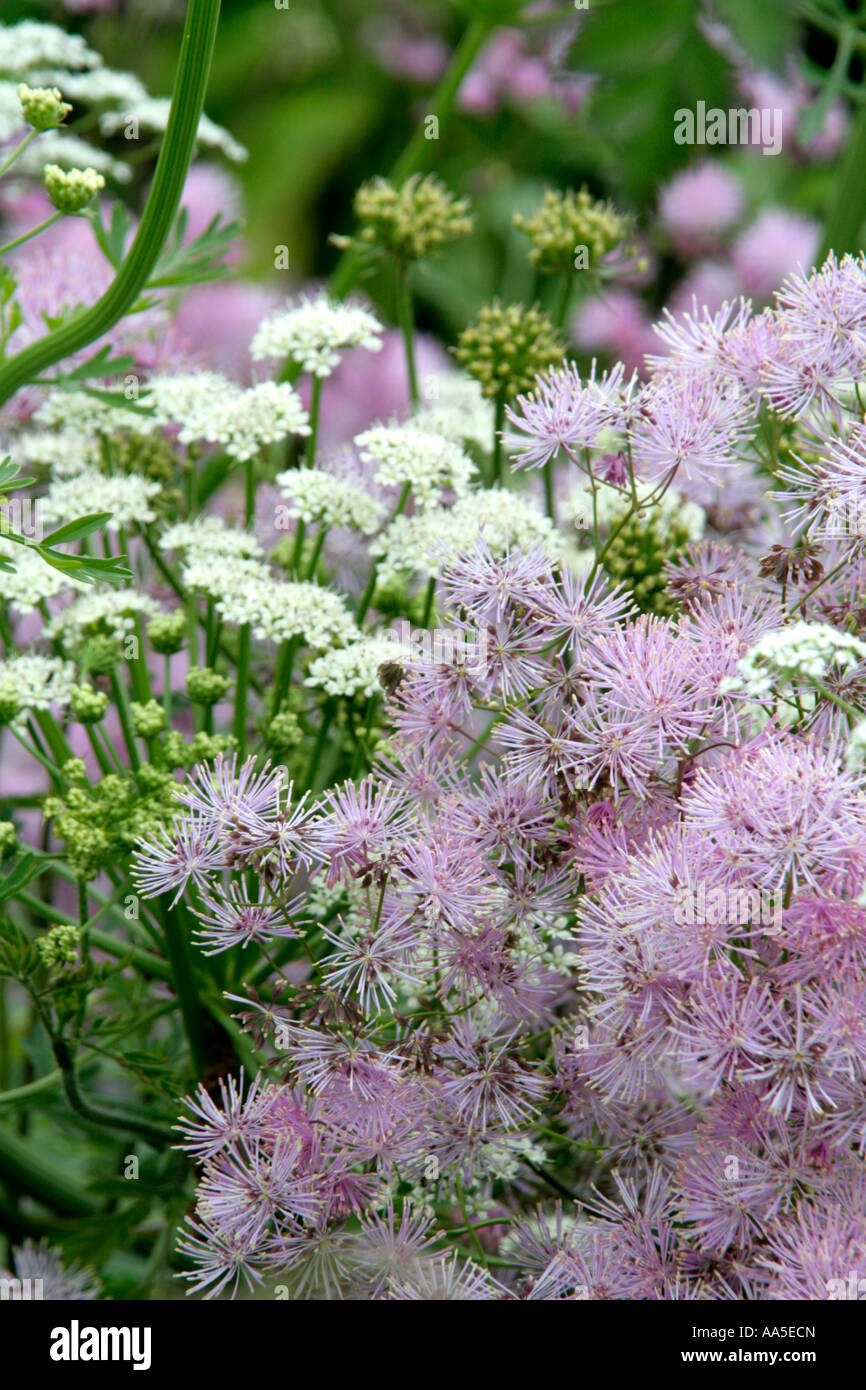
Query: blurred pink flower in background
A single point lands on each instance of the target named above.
(777, 242)
(617, 325)
(698, 205)
(370, 386)
(211, 192)
(708, 284)
(216, 323)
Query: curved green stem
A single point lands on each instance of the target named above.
(175, 156)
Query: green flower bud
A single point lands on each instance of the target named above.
(100, 654)
(567, 221)
(8, 837)
(166, 632)
(74, 770)
(43, 107)
(147, 720)
(506, 348)
(284, 732)
(59, 946)
(411, 221)
(206, 686)
(88, 705)
(70, 190)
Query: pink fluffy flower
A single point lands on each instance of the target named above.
(698, 206)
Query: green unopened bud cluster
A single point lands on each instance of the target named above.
(284, 732)
(147, 720)
(507, 346)
(413, 220)
(8, 837)
(70, 190)
(100, 654)
(88, 705)
(568, 220)
(167, 631)
(637, 554)
(59, 946)
(204, 686)
(43, 107)
(146, 455)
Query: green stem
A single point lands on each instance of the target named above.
(498, 456)
(849, 202)
(406, 320)
(34, 231)
(240, 722)
(19, 150)
(315, 407)
(160, 210)
(42, 1176)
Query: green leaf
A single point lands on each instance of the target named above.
(76, 530)
(26, 869)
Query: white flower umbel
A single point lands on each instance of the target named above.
(30, 44)
(428, 463)
(94, 88)
(113, 612)
(151, 114)
(208, 536)
(799, 652)
(314, 495)
(127, 496)
(611, 504)
(70, 152)
(209, 407)
(419, 544)
(352, 670)
(78, 412)
(314, 331)
(214, 573)
(277, 610)
(34, 682)
(855, 753)
(31, 580)
(453, 405)
(66, 452)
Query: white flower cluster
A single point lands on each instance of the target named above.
(855, 753)
(208, 536)
(69, 151)
(352, 670)
(209, 407)
(114, 612)
(454, 406)
(80, 413)
(32, 580)
(314, 331)
(419, 544)
(127, 496)
(611, 504)
(428, 463)
(65, 452)
(30, 44)
(800, 651)
(314, 495)
(11, 115)
(277, 610)
(151, 114)
(95, 87)
(34, 682)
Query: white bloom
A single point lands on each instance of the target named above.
(798, 652)
(79, 412)
(69, 151)
(314, 331)
(11, 116)
(209, 536)
(855, 754)
(31, 44)
(95, 87)
(217, 573)
(208, 406)
(34, 682)
(151, 114)
(65, 452)
(429, 463)
(454, 405)
(611, 505)
(113, 612)
(277, 609)
(318, 496)
(32, 580)
(127, 496)
(419, 544)
(352, 670)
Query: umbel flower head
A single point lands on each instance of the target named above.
(507, 347)
(413, 220)
(43, 108)
(70, 190)
(568, 220)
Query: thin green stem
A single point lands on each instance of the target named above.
(34, 231)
